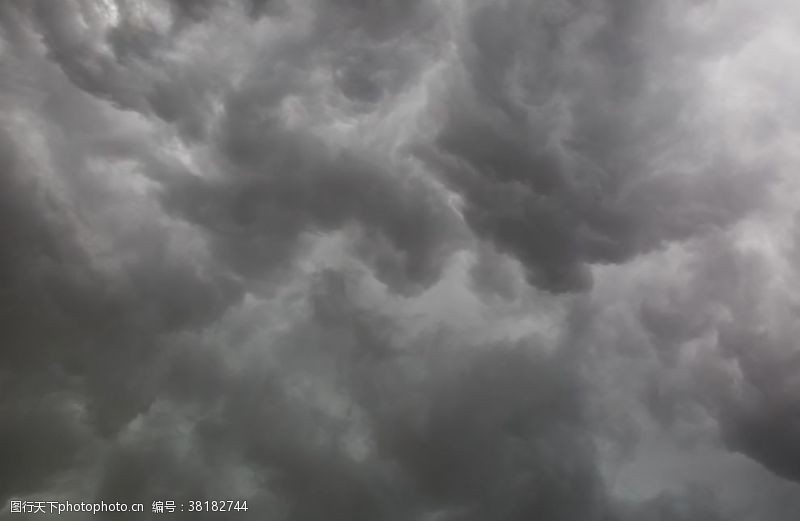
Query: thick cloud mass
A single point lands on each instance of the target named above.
(560, 140)
(429, 260)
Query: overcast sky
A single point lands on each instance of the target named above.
(402, 260)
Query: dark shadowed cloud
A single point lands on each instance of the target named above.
(430, 260)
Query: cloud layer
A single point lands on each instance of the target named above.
(434, 260)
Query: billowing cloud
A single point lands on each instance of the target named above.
(578, 138)
(434, 260)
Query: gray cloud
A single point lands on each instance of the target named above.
(422, 260)
(572, 146)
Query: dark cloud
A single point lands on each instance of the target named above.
(384, 260)
(552, 141)
(78, 342)
(754, 402)
(691, 505)
(766, 422)
(486, 445)
(256, 217)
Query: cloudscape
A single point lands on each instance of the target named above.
(400, 260)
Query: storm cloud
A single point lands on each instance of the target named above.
(434, 260)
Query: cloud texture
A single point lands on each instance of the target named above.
(421, 260)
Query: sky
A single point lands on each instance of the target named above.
(402, 260)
